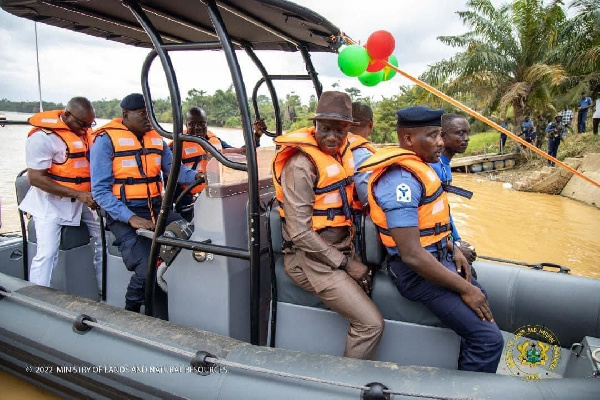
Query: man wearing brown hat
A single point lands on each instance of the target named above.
(410, 208)
(312, 173)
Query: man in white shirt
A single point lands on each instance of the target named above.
(57, 158)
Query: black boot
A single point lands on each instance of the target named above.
(133, 307)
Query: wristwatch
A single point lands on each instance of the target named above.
(344, 263)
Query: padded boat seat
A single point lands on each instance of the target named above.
(385, 295)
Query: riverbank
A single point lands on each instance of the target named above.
(580, 151)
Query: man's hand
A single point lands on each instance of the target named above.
(462, 266)
(260, 127)
(139, 222)
(360, 273)
(468, 251)
(475, 299)
(200, 175)
(86, 198)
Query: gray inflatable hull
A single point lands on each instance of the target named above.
(101, 364)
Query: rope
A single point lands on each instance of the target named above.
(323, 381)
(483, 119)
(188, 354)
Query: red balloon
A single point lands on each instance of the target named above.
(376, 65)
(380, 45)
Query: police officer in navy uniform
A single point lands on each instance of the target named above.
(410, 209)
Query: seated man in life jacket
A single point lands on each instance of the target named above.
(455, 134)
(57, 154)
(195, 157)
(127, 159)
(410, 209)
(358, 140)
(312, 175)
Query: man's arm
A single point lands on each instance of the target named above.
(39, 153)
(424, 264)
(101, 160)
(186, 174)
(297, 181)
(361, 179)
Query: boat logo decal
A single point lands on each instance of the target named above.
(533, 353)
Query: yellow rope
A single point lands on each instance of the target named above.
(480, 117)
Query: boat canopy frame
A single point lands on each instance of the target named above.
(227, 25)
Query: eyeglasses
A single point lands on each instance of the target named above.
(196, 124)
(81, 123)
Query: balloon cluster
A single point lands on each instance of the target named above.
(368, 63)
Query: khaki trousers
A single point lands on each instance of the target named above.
(345, 297)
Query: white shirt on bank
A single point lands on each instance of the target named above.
(40, 149)
(597, 112)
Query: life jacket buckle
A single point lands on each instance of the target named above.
(330, 214)
(129, 180)
(438, 228)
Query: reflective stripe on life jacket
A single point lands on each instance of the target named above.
(334, 186)
(194, 156)
(136, 166)
(74, 172)
(433, 210)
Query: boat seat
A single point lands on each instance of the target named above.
(385, 295)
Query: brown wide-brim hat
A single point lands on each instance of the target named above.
(334, 106)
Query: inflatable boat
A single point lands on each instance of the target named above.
(222, 319)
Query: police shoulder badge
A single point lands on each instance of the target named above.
(403, 194)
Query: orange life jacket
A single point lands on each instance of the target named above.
(334, 186)
(355, 142)
(136, 166)
(194, 156)
(433, 210)
(75, 171)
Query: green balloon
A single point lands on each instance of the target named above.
(371, 78)
(353, 60)
(388, 73)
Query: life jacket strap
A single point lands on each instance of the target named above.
(76, 180)
(457, 190)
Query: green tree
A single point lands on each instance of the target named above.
(505, 58)
(579, 49)
(353, 92)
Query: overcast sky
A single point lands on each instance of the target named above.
(74, 64)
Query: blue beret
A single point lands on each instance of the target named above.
(411, 117)
(133, 101)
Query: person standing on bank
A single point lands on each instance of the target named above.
(57, 154)
(127, 159)
(556, 133)
(596, 116)
(455, 134)
(362, 149)
(410, 208)
(312, 175)
(583, 106)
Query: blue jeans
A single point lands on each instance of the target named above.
(481, 341)
(135, 251)
(581, 117)
(553, 143)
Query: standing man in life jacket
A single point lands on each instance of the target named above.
(195, 157)
(455, 134)
(312, 174)
(358, 140)
(127, 159)
(57, 157)
(410, 209)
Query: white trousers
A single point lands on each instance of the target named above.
(48, 240)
